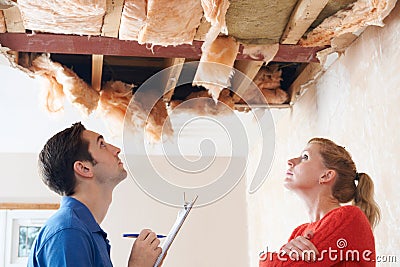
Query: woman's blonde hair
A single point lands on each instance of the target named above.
(345, 188)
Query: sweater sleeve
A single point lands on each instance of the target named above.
(343, 235)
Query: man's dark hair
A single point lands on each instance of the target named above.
(57, 158)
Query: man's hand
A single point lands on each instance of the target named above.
(301, 248)
(145, 250)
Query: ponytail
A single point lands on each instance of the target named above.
(364, 199)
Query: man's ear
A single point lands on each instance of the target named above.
(328, 176)
(83, 168)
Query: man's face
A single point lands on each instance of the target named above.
(108, 168)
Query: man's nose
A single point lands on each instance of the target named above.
(115, 150)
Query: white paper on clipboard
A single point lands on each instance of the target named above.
(180, 219)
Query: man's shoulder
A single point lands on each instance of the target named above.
(62, 220)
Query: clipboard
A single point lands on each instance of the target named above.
(180, 219)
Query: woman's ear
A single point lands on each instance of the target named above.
(329, 175)
(83, 168)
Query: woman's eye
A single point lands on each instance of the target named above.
(102, 144)
(304, 156)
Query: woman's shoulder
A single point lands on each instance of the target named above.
(345, 211)
(343, 215)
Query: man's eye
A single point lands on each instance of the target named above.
(102, 144)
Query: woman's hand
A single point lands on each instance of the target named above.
(300, 248)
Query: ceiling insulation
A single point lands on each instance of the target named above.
(216, 65)
(63, 81)
(258, 21)
(63, 16)
(132, 19)
(170, 22)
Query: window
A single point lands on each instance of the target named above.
(18, 231)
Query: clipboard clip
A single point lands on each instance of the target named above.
(188, 204)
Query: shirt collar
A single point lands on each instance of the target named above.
(83, 213)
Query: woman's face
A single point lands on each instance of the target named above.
(305, 171)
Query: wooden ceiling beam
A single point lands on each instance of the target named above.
(303, 15)
(74, 44)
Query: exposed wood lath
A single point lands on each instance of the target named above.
(3, 27)
(112, 18)
(13, 20)
(304, 14)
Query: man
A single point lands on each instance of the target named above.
(79, 165)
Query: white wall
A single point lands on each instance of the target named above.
(356, 104)
(210, 236)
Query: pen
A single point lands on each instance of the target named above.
(136, 235)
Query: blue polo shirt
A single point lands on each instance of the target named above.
(71, 237)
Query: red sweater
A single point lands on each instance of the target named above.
(343, 237)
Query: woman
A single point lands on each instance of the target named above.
(325, 177)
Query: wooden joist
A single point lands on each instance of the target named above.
(97, 70)
(75, 44)
(303, 15)
(175, 67)
(250, 69)
(112, 18)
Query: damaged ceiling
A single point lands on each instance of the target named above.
(129, 41)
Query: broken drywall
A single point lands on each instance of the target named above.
(353, 19)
